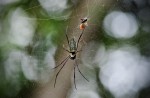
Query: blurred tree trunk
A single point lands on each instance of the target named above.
(63, 84)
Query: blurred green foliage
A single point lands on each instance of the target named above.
(48, 32)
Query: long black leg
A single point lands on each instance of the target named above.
(62, 62)
(59, 71)
(66, 49)
(66, 35)
(79, 38)
(75, 77)
(81, 73)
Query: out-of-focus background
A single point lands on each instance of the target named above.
(117, 62)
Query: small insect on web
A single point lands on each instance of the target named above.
(72, 55)
(87, 18)
(83, 23)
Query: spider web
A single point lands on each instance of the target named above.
(42, 44)
(65, 15)
(41, 49)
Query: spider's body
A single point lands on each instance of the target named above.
(73, 49)
(72, 55)
(72, 44)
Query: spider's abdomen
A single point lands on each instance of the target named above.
(72, 44)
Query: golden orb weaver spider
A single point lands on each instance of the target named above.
(73, 50)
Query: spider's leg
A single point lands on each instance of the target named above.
(79, 38)
(66, 35)
(61, 62)
(60, 70)
(81, 72)
(66, 49)
(75, 77)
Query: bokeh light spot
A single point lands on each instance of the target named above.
(120, 25)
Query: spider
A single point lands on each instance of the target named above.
(73, 46)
